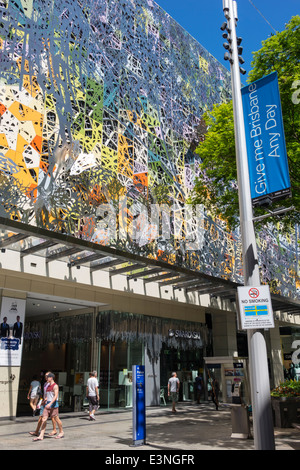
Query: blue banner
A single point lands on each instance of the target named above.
(266, 149)
(139, 407)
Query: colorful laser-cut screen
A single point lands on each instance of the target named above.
(100, 103)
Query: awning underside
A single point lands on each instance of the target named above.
(76, 252)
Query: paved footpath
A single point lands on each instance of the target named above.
(192, 428)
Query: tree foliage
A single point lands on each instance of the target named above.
(216, 187)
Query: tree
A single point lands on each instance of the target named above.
(216, 187)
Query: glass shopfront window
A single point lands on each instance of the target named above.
(62, 345)
(187, 364)
(115, 371)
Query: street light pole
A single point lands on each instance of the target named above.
(258, 362)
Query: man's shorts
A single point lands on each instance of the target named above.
(93, 403)
(174, 396)
(50, 412)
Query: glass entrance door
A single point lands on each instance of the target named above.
(187, 364)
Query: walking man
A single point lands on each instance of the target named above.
(51, 408)
(173, 390)
(42, 407)
(92, 393)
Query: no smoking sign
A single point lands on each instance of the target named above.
(255, 307)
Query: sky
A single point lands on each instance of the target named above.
(258, 19)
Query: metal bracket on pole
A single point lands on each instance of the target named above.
(273, 213)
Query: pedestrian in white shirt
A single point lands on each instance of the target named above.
(92, 393)
(173, 390)
(34, 393)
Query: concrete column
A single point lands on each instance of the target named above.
(224, 334)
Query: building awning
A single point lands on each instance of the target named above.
(28, 239)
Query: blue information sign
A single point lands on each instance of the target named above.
(266, 149)
(139, 408)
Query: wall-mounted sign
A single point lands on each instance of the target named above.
(11, 331)
(255, 307)
(184, 334)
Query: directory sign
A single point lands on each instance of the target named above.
(139, 405)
